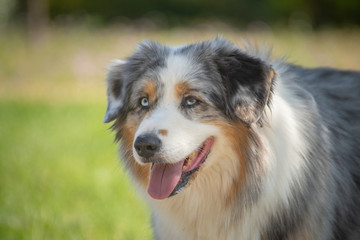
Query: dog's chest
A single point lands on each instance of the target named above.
(196, 222)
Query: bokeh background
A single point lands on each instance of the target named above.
(60, 177)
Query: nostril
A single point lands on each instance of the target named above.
(151, 147)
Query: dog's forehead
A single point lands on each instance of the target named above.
(179, 71)
(177, 67)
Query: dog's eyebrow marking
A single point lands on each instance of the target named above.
(150, 89)
(163, 132)
(180, 89)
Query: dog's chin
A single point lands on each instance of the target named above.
(167, 180)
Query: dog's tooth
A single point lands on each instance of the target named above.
(192, 156)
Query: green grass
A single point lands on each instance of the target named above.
(59, 172)
(60, 178)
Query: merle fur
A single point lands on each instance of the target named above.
(231, 79)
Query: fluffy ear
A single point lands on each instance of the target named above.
(247, 81)
(115, 90)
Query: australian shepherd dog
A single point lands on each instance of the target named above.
(228, 143)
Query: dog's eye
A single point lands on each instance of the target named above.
(190, 102)
(144, 102)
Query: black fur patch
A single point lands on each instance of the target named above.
(247, 83)
(240, 85)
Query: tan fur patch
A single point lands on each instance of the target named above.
(237, 135)
(180, 89)
(150, 89)
(140, 172)
(272, 74)
(163, 132)
(126, 133)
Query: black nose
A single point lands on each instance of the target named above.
(147, 145)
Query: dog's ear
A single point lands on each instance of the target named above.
(115, 89)
(247, 81)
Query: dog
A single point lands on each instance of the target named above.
(229, 143)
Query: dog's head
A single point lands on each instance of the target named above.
(176, 108)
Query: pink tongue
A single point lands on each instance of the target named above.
(164, 178)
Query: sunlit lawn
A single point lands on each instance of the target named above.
(60, 178)
(59, 172)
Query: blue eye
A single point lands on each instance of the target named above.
(144, 102)
(191, 101)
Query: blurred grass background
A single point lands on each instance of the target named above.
(59, 172)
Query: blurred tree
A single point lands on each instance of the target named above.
(7, 9)
(238, 12)
(37, 17)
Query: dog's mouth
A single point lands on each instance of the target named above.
(167, 180)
